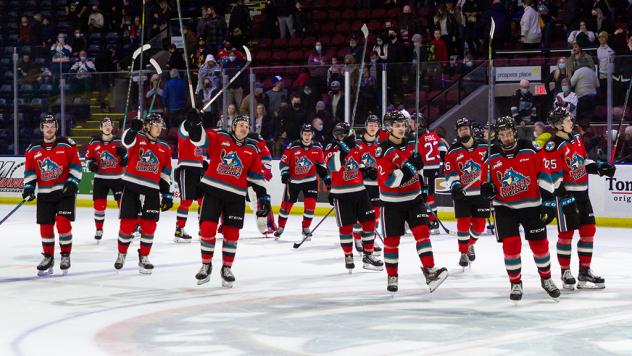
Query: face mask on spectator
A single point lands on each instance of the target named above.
(562, 65)
(77, 34)
(83, 58)
(296, 105)
(565, 89)
(232, 58)
(380, 42)
(535, 134)
(318, 127)
(469, 63)
(307, 91)
(60, 39)
(524, 90)
(318, 48)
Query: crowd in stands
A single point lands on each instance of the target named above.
(322, 39)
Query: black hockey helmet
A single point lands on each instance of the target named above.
(477, 131)
(464, 121)
(342, 130)
(557, 116)
(392, 117)
(372, 119)
(505, 123)
(306, 128)
(153, 118)
(420, 120)
(238, 119)
(48, 119)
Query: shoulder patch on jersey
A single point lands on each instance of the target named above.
(536, 146)
(550, 146)
(378, 152)
(330, 146)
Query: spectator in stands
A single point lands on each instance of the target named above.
(605, 54)
(190, 40)
(548, 15)
(523, 107)
(24, 34)
(27, 70)
(244, 107)
(530, 30)
(396, 54)
(467, 65)
(374, 69)
(226, 121)
(60, 50)
(276, 96)
(83, 67)
(447, 23)
(201, 28)
(210, 71)
(368, 95)
(583, 36)
(355, 49)
(269, 128)
(215, 30)
(292, 118)
(585, 82)
(577, 55)
(36, 30)
(317, 124)
(49, 32)
(284, 10)
(309, 99)
(176, 58)
(335, 72)
(408, 24)
(300, 21)
(78, 42)
(199, 54)
(231, 66)
(354, 72)
(77, 13)
(319, 73)
(153, 92)
(239, 24)
(336, 102)
(472, 10)
(174, 96)
(96, 20)
(566, 98)
(325, 116)
(206, 94)
(625, 153)
(554, 79)
(541, 134)
(381, 49)
(440, 48)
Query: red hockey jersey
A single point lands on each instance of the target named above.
(300, 161)
(264, 152)
(104, 154)
(188, 154)
(466, 167)
(431, 147)
(567, 160)
(346, 178)
(231, 165)
(49, 166)
(368, 157)
(518, 176)
(148, 163)
(390, 159)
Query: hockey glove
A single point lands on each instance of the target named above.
(93, 166)
(194, 117)
(136, 125)
(70, 188)
(331, 199)
(369, 173)
(204, 165)
(264, 206)
(167, 202)
(349, 141)
(415, 161)
(488, 191)
(285, 178)
(121, 151)
(327, 181)
(605, 169)
(28, 193)
(548, 211)
(457, 192)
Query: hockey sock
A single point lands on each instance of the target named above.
(540, 249)
(513, 263)
(357, 232)
(183, 211)
(229, 247)
(147, 229)
(463, 233)
(368, 236)
(391, 254)
(208, 229)
(564, 249)
(308, 211)
(477, 227)
(286, 207)
(99, 212)
(127, 228)
(421, 233)
(346, 239)
(585, 244)
(48, 239)
(64, 229)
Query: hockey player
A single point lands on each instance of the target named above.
(107, 158)
(401, 196)
(519, 180)
(147, 177)
(52, 165)
(266, 224)
(567, 157)
(302, 160)
(432, 149)
(349, 196)
(369, 140)
(191, 166)
(233, 163)
(465, 170)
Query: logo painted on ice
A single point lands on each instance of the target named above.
(351, 170)
(147, 161)
(576, 164)
(368, 160)
(470, 171)
(231, 164)
(49, 169)
(107, 160)
(512, 182)
(302, 165)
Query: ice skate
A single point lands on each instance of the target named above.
(568, 281)
(434, 228)
(516, 292)
(464, 261)
(550, 288)
(278, 233)
(227, 277)
(392, 284)
(144, 266)
(377, 250)
(182, 236)
(358, 245)
(371, 263)
(349, 263)
(64, 264)
(120, 261)
(434, 277)
(307, 234)
(588, 280)
(204, 274)
(98, 235)
(45, 267)
(471, 253)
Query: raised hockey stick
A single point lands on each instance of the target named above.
(12, 211)
(417, 54)
(365, 33)
(298, 244)
(159, 72)
(186, 56)
(625, 106)
(139, 113)
(491, 103)
(221, 91)
(135, 55)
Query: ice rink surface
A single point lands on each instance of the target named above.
(298, 301)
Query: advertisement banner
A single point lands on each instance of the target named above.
(517, 73)
(618, 192)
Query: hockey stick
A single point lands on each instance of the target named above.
(491, 102)
(625, 106)
(365, 33)
(298, 244)
(417, 53)
(139, 113)
(12, 211)
(159, 72)
(447, 231)
(186, 56)
(380, 236)
(136, 53)
(221, 91)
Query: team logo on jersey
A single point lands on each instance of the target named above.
(351, 170)
(147, 161)
(368, 160)
(107, 160)
(470, 171)
(302, 165)
(49, 170)
(200, 152)
(576, 164)
(231, 164)
(550, 146)
(512, 182)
